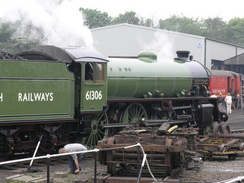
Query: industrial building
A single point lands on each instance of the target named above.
(130, 40)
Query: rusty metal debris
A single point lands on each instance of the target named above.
(222, 143)
(166, 154)
(223, 131)
(210, 147)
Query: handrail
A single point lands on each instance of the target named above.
(48, 156)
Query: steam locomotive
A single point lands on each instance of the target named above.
(67, 95)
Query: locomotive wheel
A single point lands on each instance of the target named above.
(133, 113)
(159, 115)
(97, 132)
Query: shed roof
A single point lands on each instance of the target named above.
(224, 73)
(126, 25)
(236, 60)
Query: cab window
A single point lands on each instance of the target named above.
(94, 72)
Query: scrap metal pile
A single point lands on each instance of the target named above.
(223, 142)
(211, 147)
(166, 154)
(168, 151)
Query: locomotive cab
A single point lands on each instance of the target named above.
(93, 86)
(90, 71)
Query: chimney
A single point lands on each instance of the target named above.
(183, 54)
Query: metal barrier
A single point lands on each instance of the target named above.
(95, 151)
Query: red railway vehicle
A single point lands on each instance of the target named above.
(223, 81)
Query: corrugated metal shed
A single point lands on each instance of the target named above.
(130, 40)
(237, 60)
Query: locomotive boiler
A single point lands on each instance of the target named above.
(74, 94)
(147, 76)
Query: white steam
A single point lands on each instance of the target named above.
(162, 45)
(61, 20)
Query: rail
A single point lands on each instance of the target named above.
(94, 151)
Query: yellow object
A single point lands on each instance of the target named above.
(171, 129)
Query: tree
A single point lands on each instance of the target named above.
(6, 31)
(148, 22)
(127, 17)
(15, 38)
(234, 31)
(182, 24)
(94, 18)
(214, 28)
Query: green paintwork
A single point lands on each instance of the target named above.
(147, 56)
(136, 78)
(93, 93)
(32, 91)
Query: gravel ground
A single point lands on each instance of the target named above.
(219, 169)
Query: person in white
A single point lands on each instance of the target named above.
(74, 159)
(213, 95)
(228, 101)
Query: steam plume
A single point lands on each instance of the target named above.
(61, 20)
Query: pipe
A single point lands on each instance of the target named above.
(237, 179)
(142, 165)
(171, 129)
(36, 150)
(133, 155)
(231, 135)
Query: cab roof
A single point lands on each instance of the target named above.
(68, 54)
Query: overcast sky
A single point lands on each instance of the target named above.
(156, 9)
(64, 19)
(226, 9)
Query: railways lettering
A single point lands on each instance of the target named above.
(34, 97)
(91, 97)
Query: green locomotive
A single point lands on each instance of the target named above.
(76, 94)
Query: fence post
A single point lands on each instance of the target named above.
(95, 167)
(48, 168)
(138, 161)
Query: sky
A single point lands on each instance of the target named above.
(63, 24)
(156, 9)
(162, 9)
